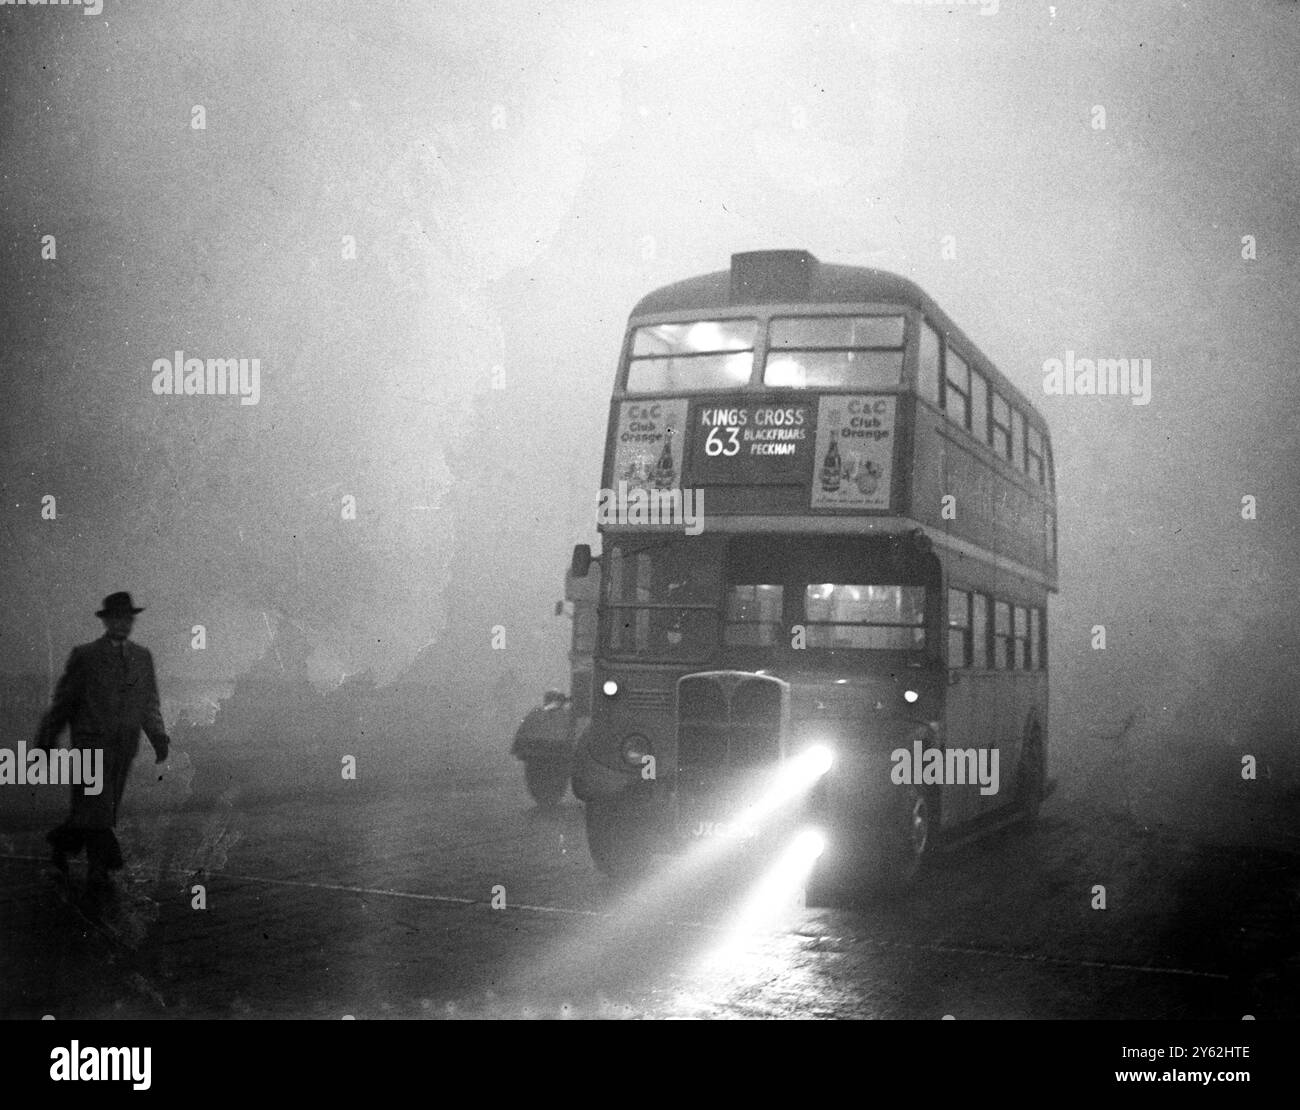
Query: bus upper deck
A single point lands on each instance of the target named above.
(805, 397)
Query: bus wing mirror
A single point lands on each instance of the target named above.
(581, 560)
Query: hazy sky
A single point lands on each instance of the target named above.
(514, 177)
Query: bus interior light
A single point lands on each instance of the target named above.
(910, 695)
(610, 688)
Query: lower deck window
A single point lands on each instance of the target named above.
(890, 618)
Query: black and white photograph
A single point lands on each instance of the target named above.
(709, 510)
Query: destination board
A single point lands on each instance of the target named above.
(751, 444)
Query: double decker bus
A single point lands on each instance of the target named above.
(869, 578)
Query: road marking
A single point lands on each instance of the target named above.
(564, 911)
(1064, 961)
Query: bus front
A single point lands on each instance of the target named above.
(770, 617)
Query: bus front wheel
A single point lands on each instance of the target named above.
(547, 780)
(616, 836)
(882, 853)
(906, 839)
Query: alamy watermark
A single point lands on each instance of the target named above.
(184, 377)
(88, 1063)
(57, 767)
(986, 7)
(1113, 377)
(89, 7)
(923, 766)
(636, 505)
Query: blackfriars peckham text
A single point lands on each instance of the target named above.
(90, 1063)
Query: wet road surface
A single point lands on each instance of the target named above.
(451, 895)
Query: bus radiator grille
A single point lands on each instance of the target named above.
(725, 721)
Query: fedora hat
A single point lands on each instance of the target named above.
(118, 605)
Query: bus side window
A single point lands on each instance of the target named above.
(956, 390)
(959, 653)
(1042, 639)
(1003, 651)
(927, 364)
(1035, 659)
(1022, 655)
(1001, 427)
(980, 631)
(979, 406)
(1051, 471)
(1017, 439)
(1034, 454)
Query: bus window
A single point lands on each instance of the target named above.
(706, 354)
(1003, 652)
(860, 352)
(1034, 453)
(890, 618)
(956, 392)
(979, 631)
(1040, 637)
(662, 599)
(1017, 439)
(1001, 427)
(1022, 655)
(752, 617)
(959, 654)
(979, 406)
(1047, 458)
(1035, 639)
(927, 364)
(1050, 529)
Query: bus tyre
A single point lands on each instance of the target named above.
(1031, 778)
(905, 840)
(616, 837)
(547, 780)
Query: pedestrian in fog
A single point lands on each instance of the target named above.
(107, 695)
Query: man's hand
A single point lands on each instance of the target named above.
(161, 749)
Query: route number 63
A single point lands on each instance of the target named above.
(714, 445)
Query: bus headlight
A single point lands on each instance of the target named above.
(910, 696)
(610, 688)
(820, 759)
(806, 768)
(635, 748)
(809, 844)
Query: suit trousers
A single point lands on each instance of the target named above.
(102, 849)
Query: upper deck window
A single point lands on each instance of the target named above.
(928, 363)
(956, 390)
(820, 352)
(700, 355)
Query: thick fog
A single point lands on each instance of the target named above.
(429, 222)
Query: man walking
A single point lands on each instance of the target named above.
(107, 694)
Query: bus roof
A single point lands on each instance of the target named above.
(759, 278)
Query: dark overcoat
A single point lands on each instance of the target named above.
(108, 694)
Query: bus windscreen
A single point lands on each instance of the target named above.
(681, 599)
(817, 352)
(700, 355)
